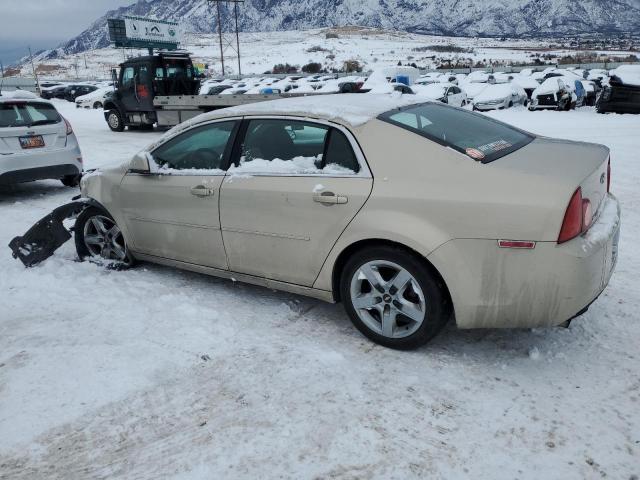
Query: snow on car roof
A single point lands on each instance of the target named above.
(18, 95)
(354, 109)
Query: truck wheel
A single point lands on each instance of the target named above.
(97, 105)
(114, 120)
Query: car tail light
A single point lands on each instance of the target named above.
(69, 129)
(609, 175)
(577, 218)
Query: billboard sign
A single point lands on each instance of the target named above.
(151, 30)
(136, 32)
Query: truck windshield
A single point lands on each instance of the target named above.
(23, 114)
(475, 135)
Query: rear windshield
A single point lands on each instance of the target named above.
(22, 114)
(472, 134)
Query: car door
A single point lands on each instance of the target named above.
(294, 187)
(172, 212)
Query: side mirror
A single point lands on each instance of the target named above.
(139, 164)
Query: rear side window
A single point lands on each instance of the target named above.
(339, 152)
(480, 137)
(27, 114)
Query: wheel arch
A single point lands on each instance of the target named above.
(345, 254)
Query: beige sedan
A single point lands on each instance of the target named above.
(409, 213)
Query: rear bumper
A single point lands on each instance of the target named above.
(33, 165)
(506, 288)
(38, 173)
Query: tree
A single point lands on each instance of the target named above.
(312, 67)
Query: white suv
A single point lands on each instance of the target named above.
(36, 142)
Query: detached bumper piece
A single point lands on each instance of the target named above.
(46, 236)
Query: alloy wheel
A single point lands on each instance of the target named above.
(388, 299)
(103, 238)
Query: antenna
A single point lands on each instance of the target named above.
(226, 42)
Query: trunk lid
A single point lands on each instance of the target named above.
(574, 164)
(54, 136)
(30, 119)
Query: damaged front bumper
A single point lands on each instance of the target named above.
(47, 235)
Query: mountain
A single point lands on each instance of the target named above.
(512, 18)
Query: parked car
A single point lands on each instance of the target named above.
(442, 92)
(36, 142)
(555, 94)
(54, 92)
(499, 96)
(216, 89)
(288, 186)
(528, 83)
(473, 89)
(622, 94)
(71, 92)
(95, 99)
(591, 90)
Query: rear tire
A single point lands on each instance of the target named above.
(115, 122)
(408, 305)
(97, 105)
(71, 180)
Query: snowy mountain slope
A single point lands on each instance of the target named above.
(443, 17)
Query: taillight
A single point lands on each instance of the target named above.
(69, 129)
(577, 218)
(572, 223)
(609, 175)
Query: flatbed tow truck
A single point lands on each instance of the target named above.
(163, 89)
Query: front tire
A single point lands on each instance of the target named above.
(393, 298)
(115, 122)
(97, 235)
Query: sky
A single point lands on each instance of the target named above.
(46, 23)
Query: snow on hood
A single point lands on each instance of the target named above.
(473, 89)
(525, 81)
(498, 91)
(433, 91)
(550, 85)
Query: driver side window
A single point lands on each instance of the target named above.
(201, 148)
(127, 77)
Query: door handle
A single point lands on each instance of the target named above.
(330, 198)
(202, 191)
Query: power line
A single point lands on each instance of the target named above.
(226, 43)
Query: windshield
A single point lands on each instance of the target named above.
(473, 134)
(22, 114)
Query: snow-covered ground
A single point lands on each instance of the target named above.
(372, 48)
(155, 373)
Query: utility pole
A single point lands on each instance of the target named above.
(35, 74)
(226, 43)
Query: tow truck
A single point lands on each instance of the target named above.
(140, 80)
